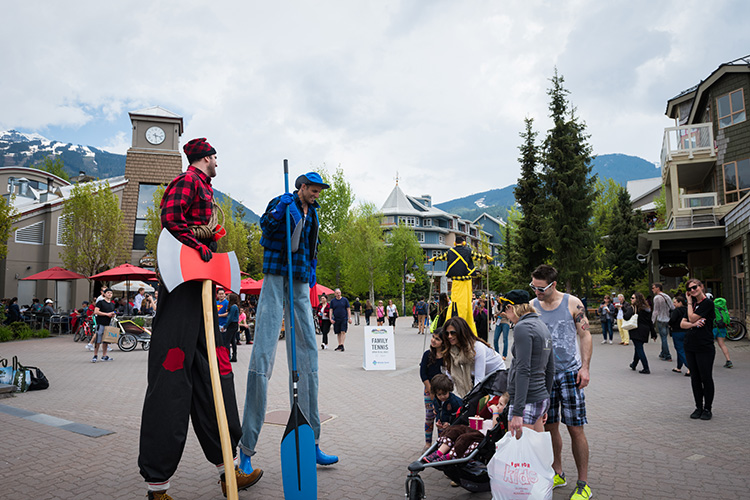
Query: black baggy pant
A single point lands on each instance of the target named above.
(179, 385)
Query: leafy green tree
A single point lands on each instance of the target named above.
(8, 215)
(334, 215)
(365, 251)
(529, 235)
(237, 235)
(93, 231)
(403, 253)
(569, 188)
(255, 258)
(335, 202)
(661, 209)
(153, 220)
(622, 243)
(54, 166)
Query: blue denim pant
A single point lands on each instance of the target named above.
(607, 329)
(503, 328)
(663, 328)
(678, 338)
(272, 304)
(639, 354)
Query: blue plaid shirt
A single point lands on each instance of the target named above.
(274, 241)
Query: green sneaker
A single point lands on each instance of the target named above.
(582, 491)
(559, 480)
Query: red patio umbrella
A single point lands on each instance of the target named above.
(125, 272)
(56, 274)
(251, 288)
(316, 292)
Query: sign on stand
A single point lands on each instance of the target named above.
(380, 348)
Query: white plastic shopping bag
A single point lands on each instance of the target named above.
(522, 468)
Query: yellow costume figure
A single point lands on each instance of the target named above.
(461, 270)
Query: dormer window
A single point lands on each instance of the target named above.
(731, 108)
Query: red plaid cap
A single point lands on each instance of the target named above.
(197, 149)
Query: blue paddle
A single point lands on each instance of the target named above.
(298, 467)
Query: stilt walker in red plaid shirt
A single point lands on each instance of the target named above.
(179, 383)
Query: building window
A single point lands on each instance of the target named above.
(427, 222)
(736, 180)
(145, 200)
(61, 223)
(409, 221)
(420, 236)
(731, 108)
(32, 234)
(436, 253)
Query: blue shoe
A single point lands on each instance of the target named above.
(323, 459)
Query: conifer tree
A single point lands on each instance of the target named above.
(569, 188)
(622, 243)
(528, 249)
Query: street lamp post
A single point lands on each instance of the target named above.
(403, 281)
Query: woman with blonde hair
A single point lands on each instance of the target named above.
(467, 358)
(532, 371)
(699, 348)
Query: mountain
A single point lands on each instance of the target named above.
(497, 202)
(25, 150)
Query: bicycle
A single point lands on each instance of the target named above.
(84, 330)
(736, 329)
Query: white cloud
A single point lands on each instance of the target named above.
(434, 90)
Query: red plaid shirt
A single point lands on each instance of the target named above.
(188, 201)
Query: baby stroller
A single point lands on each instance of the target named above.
(469, 472)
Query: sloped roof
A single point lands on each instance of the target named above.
(398, 204)
(741, 64)
(642, 187)
(155, 111)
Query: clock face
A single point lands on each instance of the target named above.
(155, 135)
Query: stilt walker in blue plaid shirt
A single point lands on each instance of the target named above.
(273, 304)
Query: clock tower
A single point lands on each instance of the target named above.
(153, 159)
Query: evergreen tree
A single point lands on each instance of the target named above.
(530, 250)
(622, 242)
(569, 187)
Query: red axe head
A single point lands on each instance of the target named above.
(179, 263)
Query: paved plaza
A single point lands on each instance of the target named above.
(643, 445)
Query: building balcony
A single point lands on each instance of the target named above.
(688, 142)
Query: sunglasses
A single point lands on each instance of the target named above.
(691, 288)
(540, 288)
(450, 332)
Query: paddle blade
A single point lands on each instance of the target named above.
(298, 468)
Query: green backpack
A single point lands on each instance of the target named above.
(722, 313)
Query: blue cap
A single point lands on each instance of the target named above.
(310, 178)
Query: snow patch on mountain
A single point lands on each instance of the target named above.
(480, 202)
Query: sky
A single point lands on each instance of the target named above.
(432, 92)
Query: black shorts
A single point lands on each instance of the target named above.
(340, 325)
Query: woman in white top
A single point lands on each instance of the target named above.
(392, 312)
(467, 356)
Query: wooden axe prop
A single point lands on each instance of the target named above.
(179, 263)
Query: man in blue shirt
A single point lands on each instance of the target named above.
(271, 307)
(222, 308)
(340, 317)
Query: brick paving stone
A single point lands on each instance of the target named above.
(642, 443)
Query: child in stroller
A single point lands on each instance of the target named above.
(470, 471)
